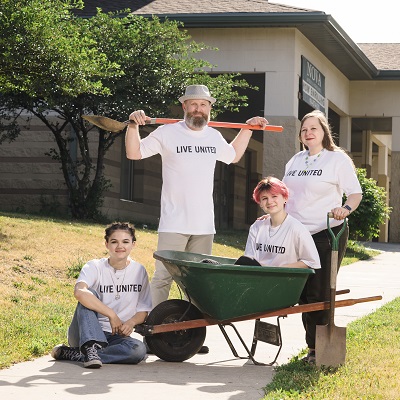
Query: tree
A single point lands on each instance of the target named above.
(59, 67)
(373, 211)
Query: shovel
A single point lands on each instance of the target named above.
(112, 125)
(330, 344)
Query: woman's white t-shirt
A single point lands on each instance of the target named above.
(316, 190)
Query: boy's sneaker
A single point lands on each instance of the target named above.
(62, 352)
(90, 357)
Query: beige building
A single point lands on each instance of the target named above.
(300, 60)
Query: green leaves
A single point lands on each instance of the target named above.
(46, 52)
(58, 67)
(373, 211)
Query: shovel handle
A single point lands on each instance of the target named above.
(335, 239)
(335, 253)
(334, 268)
(216, 124)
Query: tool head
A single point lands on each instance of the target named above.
(105, 123)
(330, 345)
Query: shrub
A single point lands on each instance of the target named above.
(373, 211)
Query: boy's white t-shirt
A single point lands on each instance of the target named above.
(188, 163)
(131, 285)
(287, 243)
(315, 191)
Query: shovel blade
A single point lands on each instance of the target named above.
(330, 346)
(107, 124)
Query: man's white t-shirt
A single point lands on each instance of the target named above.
(125, 291)
(315, 191)
(188, 163)
(287, 243)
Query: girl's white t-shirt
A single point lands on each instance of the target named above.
(130, 285)
(188, 164)
(316, 190)
(287, 243)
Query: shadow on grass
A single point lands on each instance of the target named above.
(294, 379)
(358, 251)
(233, 238)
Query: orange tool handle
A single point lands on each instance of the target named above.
(217, 124)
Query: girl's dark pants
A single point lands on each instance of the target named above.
(317, 287)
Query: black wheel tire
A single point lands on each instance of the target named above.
(175, 346)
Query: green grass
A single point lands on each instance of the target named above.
(35, 319)
(356, 251)
(371, 370)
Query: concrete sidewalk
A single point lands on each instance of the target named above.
(214, 376)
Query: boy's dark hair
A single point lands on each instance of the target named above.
(120, 226)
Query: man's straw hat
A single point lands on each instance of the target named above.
(197, 92)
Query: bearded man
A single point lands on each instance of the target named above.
(189, 150)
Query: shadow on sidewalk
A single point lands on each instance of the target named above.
(152, 379)
(386, 247)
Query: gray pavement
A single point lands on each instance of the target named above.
(215, 376)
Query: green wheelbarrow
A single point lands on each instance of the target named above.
(219, 292)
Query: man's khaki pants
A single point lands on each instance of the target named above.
(160, 284)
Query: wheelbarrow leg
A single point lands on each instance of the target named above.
(228, 340)
(268, 333)
(234, 352)
(259, 334)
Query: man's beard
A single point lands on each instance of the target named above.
(198, 121)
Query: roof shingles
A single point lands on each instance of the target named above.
(163, 7)
(385, 56)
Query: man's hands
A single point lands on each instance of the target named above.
(139, 117)
(257, 121)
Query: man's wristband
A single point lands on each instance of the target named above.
(347, 207)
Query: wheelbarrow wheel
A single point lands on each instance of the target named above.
(175, 346)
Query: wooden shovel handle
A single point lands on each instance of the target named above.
(334, 267)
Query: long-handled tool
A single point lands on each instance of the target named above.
(112, 125)
(330, 344)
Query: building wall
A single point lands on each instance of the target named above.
(30, 180)
(374, 98)
(115, 205)
(337, 86)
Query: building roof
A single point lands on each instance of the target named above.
(385, 56)
(162, 7)
(364, 62)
